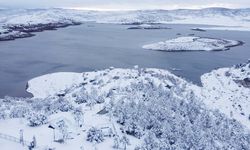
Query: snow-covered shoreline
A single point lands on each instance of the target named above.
(192, 43)
(220, 89)
(15, 31)
(53, 83)
(57, 83)
(20, 23)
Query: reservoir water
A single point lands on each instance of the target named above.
(93, 46)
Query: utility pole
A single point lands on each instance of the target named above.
(34, 141)
(21, 137)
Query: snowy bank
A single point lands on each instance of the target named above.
(192, 43)
(47, 85)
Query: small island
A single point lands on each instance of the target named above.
(148, 27)
(193, 43)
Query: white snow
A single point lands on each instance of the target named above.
(145, 26)
(101, 82)
(149, 27)
(223, 90)
(36, 16)
(56, 83)
(8, 145)
(50, 84)
(2, 30)
(192, 43)
(228, 28)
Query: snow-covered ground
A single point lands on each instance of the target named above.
(5, 145)
(45, 135)
(104, 95)
(53, 83)
(225, 89)
(228, 90)
(102, 81)
(192, 43)
(73, 86)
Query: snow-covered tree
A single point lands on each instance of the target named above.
(19, 111)
(174, 122)
(82, 96)
(78, 116)
(32, 144)
(95, 135)
(63, 129)
(3, 113)
(124, 141)
(62, 104)
(150, 142)
(116, 142)
(36, 119)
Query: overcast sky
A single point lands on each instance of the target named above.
(126, 4)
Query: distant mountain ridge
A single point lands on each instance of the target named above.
(43, 19)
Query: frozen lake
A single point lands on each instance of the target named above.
(92, 46)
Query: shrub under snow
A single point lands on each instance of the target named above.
(36, 119)
(95, 135)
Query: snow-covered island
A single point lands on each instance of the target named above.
(139, 108)
(198, 29)
(148, 27)
(193, 43)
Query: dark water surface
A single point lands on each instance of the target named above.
(91, 47)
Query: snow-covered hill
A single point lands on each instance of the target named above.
(214, 16)
(45, 19)
(101, 81)
(228, 90)
(133, 109)
(225, 89)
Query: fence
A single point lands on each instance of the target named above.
(14, 139)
